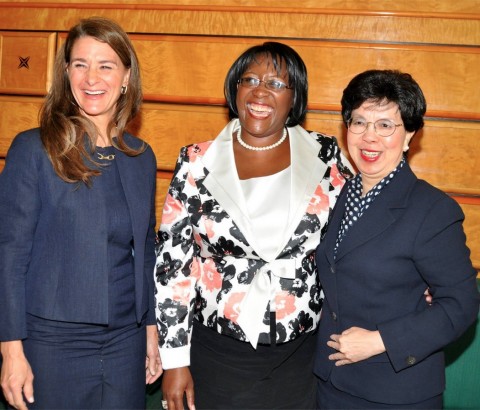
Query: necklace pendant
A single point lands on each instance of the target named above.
(109, 157)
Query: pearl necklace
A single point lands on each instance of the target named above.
(251, 147)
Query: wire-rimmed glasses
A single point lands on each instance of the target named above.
(384, 128)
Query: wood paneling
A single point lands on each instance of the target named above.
(16, 114)
(169, 76)
(437, 154)
(163, 181)
(26, 62)
(168, 127)
(335, 20)
(430, 7)
(472, 227)
(186, 47)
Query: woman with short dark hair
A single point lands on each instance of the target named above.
(390, 237)
(238, 298)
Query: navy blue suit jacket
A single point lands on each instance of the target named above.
(53, 239)
(410, 238)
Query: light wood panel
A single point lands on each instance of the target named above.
(444, 152)
(26, 62)
(362, 22)
(163, 181)
(16, 114)
(186, 47)
(193, 69)
(168, 127)
(447, 154)
(358, 6)
(472, 228)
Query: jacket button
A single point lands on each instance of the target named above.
(332, 269)
(411, 360)
(334, 316)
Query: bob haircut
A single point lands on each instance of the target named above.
(280, 54)
(382, 86)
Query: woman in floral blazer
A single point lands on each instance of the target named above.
(238, 296)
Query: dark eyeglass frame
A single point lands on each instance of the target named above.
(252, 82)
(365, 124)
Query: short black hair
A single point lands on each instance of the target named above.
(279, 53)
(386, 86)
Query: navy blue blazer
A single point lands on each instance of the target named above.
(53, 239)
(410, 238)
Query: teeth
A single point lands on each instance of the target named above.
(260, 108)
(370, 154)
(94, 92)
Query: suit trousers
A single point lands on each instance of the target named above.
(330, 398)
(84, 366)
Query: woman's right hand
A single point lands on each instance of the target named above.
(17, 375)
(176, 383)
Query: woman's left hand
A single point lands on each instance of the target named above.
(355, 344)
(153, 364)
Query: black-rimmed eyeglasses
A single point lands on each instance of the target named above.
(384, 128)
(272, 85)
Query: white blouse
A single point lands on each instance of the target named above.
(268, 215)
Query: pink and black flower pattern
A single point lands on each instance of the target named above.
(205, 264)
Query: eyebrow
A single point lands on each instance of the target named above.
(83, 60)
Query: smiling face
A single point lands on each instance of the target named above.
(376, 156)
(262, 112)
(96, 76)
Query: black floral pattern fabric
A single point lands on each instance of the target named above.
(205, 264)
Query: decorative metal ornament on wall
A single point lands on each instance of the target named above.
(23, 62)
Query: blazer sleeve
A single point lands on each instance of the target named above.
(150, 247)
(175, 266)
(19, 211)
(443, 260)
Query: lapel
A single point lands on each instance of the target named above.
(308, 172)
(134, 177)
(224, 185)
(383, 212)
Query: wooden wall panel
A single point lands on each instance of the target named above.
(363, 22)
(354, 6)
(168, 127)
(26, 62)
(186, 47)
(472, 227)
(438, 154)
(447, 154)
(193, 69)
(16, 114)
(163, 181)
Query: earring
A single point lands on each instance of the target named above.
(123, 89)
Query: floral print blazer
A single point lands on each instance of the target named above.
(207, 257)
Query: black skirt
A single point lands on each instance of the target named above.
(230, 374)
